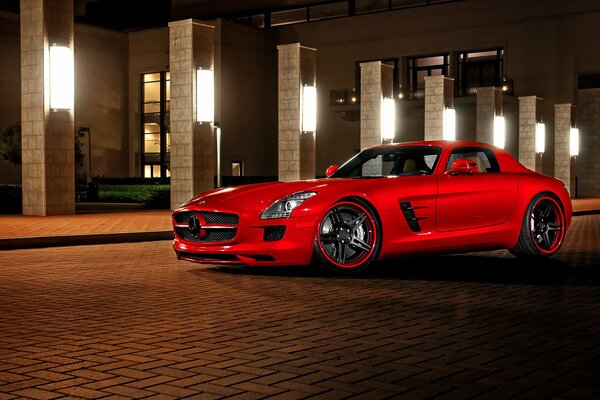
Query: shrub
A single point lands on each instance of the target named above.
(152, 196)
(11, 196)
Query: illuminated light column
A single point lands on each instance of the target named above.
(47, 116)
(489, 128)
(191, 62)
(440, 124)
(377, 108)
(532, 133)
(564, 160)
(297, 112)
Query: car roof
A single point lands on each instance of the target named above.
(440, 143)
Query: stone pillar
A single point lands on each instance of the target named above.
(529, 116)
(588, 121)
(191, 47)
(297, 66)
(439, 95)
(48, 135)
(489, 104)
(376, 82)
(564, 115)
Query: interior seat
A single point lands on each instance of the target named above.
(410, 165)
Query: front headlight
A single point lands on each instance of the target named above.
(283, 208)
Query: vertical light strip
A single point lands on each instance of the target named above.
(574, 142)
(540, 137)
(449, 132)
(205, 96)
(499, 131)
(309, 109)
(61, 78)
(388, 119)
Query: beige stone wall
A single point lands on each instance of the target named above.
(296, 150)
(588, 121)
(192, 143)
(246, 93)
(101, 86)
(562, 158)
(489, 104)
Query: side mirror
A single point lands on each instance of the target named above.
(331, 170)
(463, 166)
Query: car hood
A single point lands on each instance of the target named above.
(258, 193)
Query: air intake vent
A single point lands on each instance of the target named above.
(273, 233)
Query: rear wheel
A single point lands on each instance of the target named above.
(543, 228)
(349, 237)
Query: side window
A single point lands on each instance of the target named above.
(484, 157)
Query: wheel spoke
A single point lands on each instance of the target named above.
(330, 237)
(547, 210)
(361, 245)
(554, 227)
(341, 253)
(336, 217)
(546, 240)
(356, 222)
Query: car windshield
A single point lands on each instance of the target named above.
(390, 161)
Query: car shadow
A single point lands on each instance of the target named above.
(490, 267)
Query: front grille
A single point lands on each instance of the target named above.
(213, 218)
(212, 235)
(273, 233)
(216, 226)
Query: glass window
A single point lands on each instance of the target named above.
(237, 168)
(390, 161)
(479, 69)
(484, 157)
(288, 17)
(407, 3)
(420, 67)
(156, 95)
(367, 6)
(330, 10)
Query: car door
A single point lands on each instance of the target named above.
(476, 200)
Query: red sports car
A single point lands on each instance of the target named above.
(385, 202)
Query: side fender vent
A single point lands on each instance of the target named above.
(411, 218)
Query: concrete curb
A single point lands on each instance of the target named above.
(585, 212)
(79, 240)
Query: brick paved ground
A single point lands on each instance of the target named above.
(128, 320)
(16, 226)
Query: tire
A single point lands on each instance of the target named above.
(348, 238)
(543, 228)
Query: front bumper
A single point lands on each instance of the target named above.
(249, 246)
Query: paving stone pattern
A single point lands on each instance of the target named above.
(130, 321)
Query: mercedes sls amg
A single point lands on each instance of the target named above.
(385, 202)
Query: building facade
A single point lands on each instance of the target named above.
(521, 47)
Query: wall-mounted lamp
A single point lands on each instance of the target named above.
(205, 95)
(574, 142)
(449, 132)
(540, 137)
(499, 131)
(61, 77)
(309, 108)
(388, 119)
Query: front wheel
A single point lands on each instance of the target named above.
(543, 228)
(348, 237)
